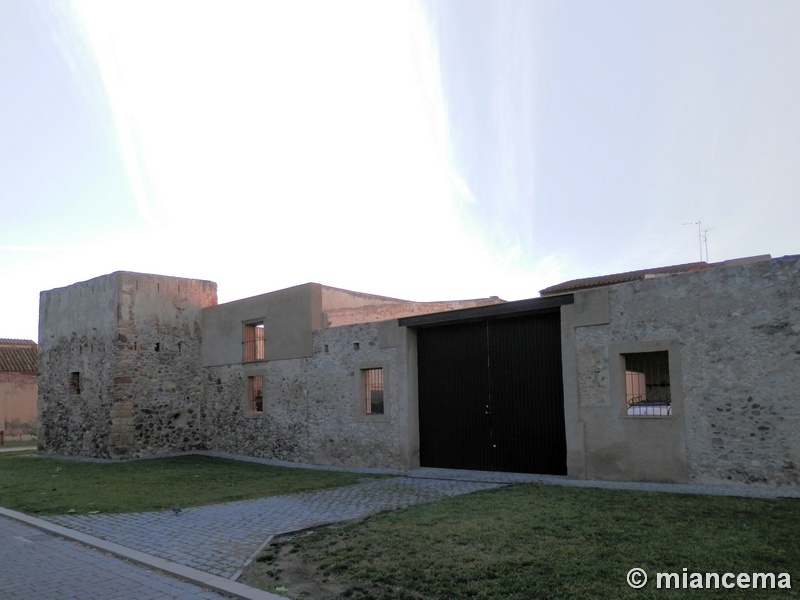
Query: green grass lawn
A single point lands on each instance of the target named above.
(37, 485)
(18, 443)
(535, 542)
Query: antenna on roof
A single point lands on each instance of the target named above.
(702, 237)
(705, 240)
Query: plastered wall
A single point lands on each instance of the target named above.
(733, 337)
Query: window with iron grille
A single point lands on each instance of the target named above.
(647, 385)
(373, 391)
(255, 394)
(253, 341)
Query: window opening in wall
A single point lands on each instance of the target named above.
(75, 382)
(253, 341)
(373, 391)
(647, 387)
(255, 393)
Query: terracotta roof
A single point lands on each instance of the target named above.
(604, 280)
(18, 356)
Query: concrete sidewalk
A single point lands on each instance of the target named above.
(16, 448)
(500, 477)
(41, 560)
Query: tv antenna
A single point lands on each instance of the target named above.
(702, 237)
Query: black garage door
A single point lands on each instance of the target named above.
(491, 395)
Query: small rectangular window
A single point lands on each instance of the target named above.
(75, 382)
(255, 393)
(373, 391)
(647, 386)
(253, 341)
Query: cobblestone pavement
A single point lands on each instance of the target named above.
(43, 566)
(222, 538)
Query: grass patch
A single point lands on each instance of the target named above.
(535, 542)
(18, 443)
(51, 486)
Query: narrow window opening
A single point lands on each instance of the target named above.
(356, 346)
(255, 393)
(647, 385)
(75, 382)
(326, 348)
(253, 340)
(158, 347)
(373, 391)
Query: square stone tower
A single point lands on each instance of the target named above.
(120, 373)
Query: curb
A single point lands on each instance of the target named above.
(213, 582)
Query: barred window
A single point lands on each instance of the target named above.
(373, 391)
(647, 385)
(253, 341)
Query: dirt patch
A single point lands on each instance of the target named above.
(282, 570)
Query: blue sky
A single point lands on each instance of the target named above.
(425, 150)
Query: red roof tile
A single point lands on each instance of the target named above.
(18, 356)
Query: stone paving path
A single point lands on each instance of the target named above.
(43, 566)
(222, 538)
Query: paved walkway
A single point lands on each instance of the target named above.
(222, 539)
(16, 448)
(39, 565)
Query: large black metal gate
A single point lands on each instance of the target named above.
(491, 395)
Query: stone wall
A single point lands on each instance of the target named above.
(311, 409)
(134, 341)
(157, 377)
(77, 333)
(733, 335)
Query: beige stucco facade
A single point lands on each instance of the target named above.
(18, 401)
(18, 389)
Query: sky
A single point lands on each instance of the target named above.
(420, 149)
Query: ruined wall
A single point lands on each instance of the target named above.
(77, 332)
(311, 405)
(134, 342)
(157, 390)
(733, 335)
